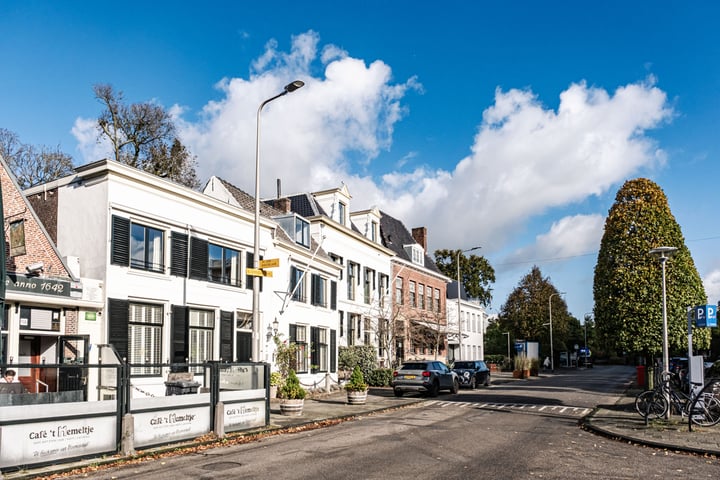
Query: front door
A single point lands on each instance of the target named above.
(244, 346)
(73, 351)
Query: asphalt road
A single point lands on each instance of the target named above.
(519, 430)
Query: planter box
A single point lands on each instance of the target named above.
(291, 407)
(356, 397)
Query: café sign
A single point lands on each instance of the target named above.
(37, 285)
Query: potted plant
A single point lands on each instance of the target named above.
(292, 395)
(275, 381)
(356, 388)
(522, 367)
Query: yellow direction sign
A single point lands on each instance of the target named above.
(270, 263)
(256, 272)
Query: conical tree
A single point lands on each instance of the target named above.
(628, 279)
(526, 312)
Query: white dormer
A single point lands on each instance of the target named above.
(416, 253)
(368, 222)
(336, 202)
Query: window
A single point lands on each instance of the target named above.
(146, 248)
(342, 211)
(421, 296)
(368, 340)
(319, 350)
(136, 246)
(297, 285)
(318, 290)
(437, 300)
(384, 279)
(34, 318)
(413, 300)
(373, 231)
(368, 285)
(145, 338)
(302, 232)
(339, 261)
(429, 303)
(223, 265)
(351, 329)
(202, 323)
(300, 339)
(399, 290)
(352, 279)
(297, 228)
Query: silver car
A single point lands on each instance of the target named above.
(424, 376)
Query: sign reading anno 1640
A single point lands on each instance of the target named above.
(37, 285)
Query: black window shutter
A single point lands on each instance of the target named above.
(120, 246)
(179, 335)
(118, 313)
(226, 336)
(333, 352)
(292, 333)
(178, 254)
(198, 258)
(314, 349)
(333, 294)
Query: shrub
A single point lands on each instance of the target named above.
(357, 381)
(363, 356)
(380, 377)
(291, 389)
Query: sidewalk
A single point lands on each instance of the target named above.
(621, 421)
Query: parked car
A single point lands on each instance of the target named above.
(472, 373)
(424, 376)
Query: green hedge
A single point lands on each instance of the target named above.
(380, 377)
(499, 359)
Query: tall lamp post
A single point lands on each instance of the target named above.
(508, 335)
(663, 254)
(458, 297)
(256, 331)
(552, 353)
(587, 315)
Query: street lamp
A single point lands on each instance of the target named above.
(587, 315)
(552, 353)
(458, 296)
(291, 87)
(664, 253)
(508, 335)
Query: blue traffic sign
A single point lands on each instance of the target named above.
(706, 316)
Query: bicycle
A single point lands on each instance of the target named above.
(654, 404)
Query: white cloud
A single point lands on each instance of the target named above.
(526, 159)
(91, 148)
(711, 282)
(569, 237)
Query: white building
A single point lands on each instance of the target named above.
(173, 263)
(472, 326)
(352, 240)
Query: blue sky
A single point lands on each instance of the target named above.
(509, 125)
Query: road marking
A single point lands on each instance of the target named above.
(564, 410)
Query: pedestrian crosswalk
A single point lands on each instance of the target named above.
(559, 410)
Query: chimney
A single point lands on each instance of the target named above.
(282, 204)
(420, 236)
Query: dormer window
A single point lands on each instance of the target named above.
(297, 228)
(416, 254)
(342, 211)
(373, 231)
